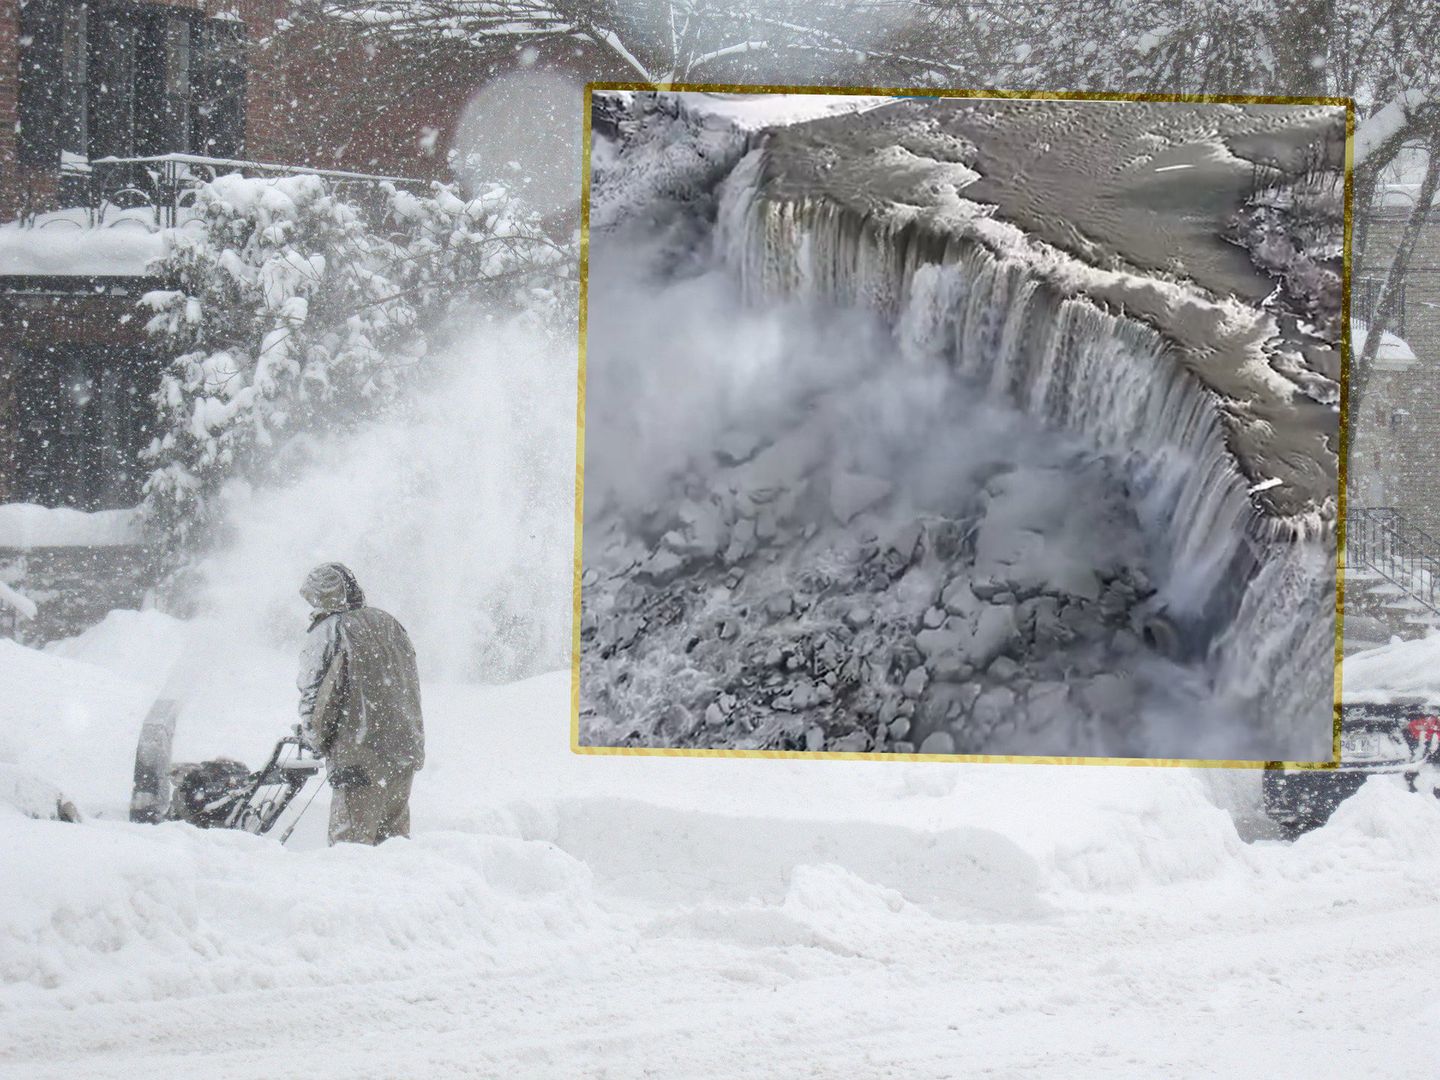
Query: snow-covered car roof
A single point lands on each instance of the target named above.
(1398, 672)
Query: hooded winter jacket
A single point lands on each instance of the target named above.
(359, 686)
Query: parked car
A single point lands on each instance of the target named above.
(1375, 740)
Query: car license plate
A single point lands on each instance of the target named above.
(1371, 746)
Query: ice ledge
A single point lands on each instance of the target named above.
(1280, 412)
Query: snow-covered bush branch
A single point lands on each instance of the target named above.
(1356, 48)
(294, 311)
(680, 40)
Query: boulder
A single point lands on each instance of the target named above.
(952, 638)
(851, 493)
(661, 568)
(1003, 669)
(903, 540)
(992, 706)
(938, 742)
(995, 629)
(915, 682)
(856, 742)
(802, 695)
(959, 599)
(779, 605)
(765, 527)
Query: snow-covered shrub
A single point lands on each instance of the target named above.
(296, 311)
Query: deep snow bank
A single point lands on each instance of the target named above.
(69, 723)
(500, 763)
(117, 913)
(581, 894)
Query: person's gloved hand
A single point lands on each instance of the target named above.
(349, 776)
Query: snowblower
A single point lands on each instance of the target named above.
(217, 794)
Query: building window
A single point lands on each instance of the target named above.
(85, 414)
(39, 106)
(218, 89)
(98, 80)
(112, 85)
(74, 78)
(177, 82)
(177, 58)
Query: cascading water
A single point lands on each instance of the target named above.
(1255, 592)
(857, 482)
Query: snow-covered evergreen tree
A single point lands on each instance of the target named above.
(296, 310)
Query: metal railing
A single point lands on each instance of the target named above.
(1379, 539)
(15, 610)
(162, 186)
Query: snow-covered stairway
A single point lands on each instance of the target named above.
(1392, 572)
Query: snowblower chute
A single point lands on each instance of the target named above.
(217, 794)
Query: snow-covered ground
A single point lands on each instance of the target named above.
(563, 915)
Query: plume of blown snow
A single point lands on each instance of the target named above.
(447, 513)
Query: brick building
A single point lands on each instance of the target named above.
(108, 108)
(109, 111)
(1396, 431)
(84, 80)
(88, 79)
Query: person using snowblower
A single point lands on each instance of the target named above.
(360, 707)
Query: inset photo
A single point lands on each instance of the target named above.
(961, 426)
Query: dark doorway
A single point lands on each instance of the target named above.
(85, 414)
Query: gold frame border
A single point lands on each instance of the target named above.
(990, 759)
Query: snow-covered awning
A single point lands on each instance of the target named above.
(26, 525)
(1394, 353)
(64, 243)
